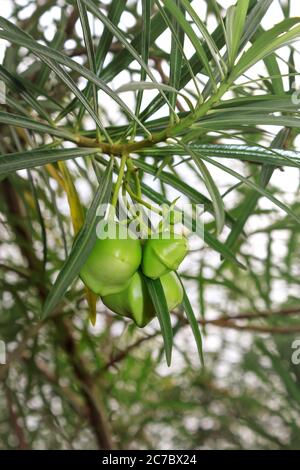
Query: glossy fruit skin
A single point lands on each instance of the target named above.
(134, 301)
(173, 290)
(111, 265)
(161, 255)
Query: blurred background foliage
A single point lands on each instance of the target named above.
(69, 385)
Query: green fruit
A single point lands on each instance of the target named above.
(162, 255)
(134, 301)
(172, 289)
(111, 265)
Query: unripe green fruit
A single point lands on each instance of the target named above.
(160, 256)
(111, 265)
(134, 301)
(172, 289)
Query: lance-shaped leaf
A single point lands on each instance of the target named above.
(194, 195)
(192, 321)
(28, 123)
(32, 158)
(77, 216)
(217, 201)
(255, 186)
(15, 35)
(82, 246)
(253, 196)
(235, 21)
(280, 35)
(160, 304)
(182, 21)
(122, 38)
(15, 84)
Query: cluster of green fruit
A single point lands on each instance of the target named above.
(115, 270)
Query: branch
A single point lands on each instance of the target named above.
(123, 354)
(261, 314)
(253, 328)
(68, 393)
(88, 386)
(22, 443)
(16, 354)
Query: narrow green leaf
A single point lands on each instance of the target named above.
(280, 35)
(15, 84)
(50, 56)
(32, 158)
(146, 13)
(235, 21)
(39, 217)
(51, 62)
(192, 321)
(220, 122)
(122, 59)
(252, 198)
(168, 178)
(275, 73)
(177, 46)
(115, 11)
(89, 45)
(255, 186)
(160, 304)
(213, 190)
(116, 8)
(82, 246)
(122, 38)
(176, 12)
(141, 86)
(257, 10)
(177, 54)
(56, 43)
(137, 86)
(207, 36)
(248, 153)
(27, 123)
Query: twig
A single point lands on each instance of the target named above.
(71, 397)
(22, 443)
(19, 350)
(253, 328)
(88, 386)
(265, 313)
(123, 354)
